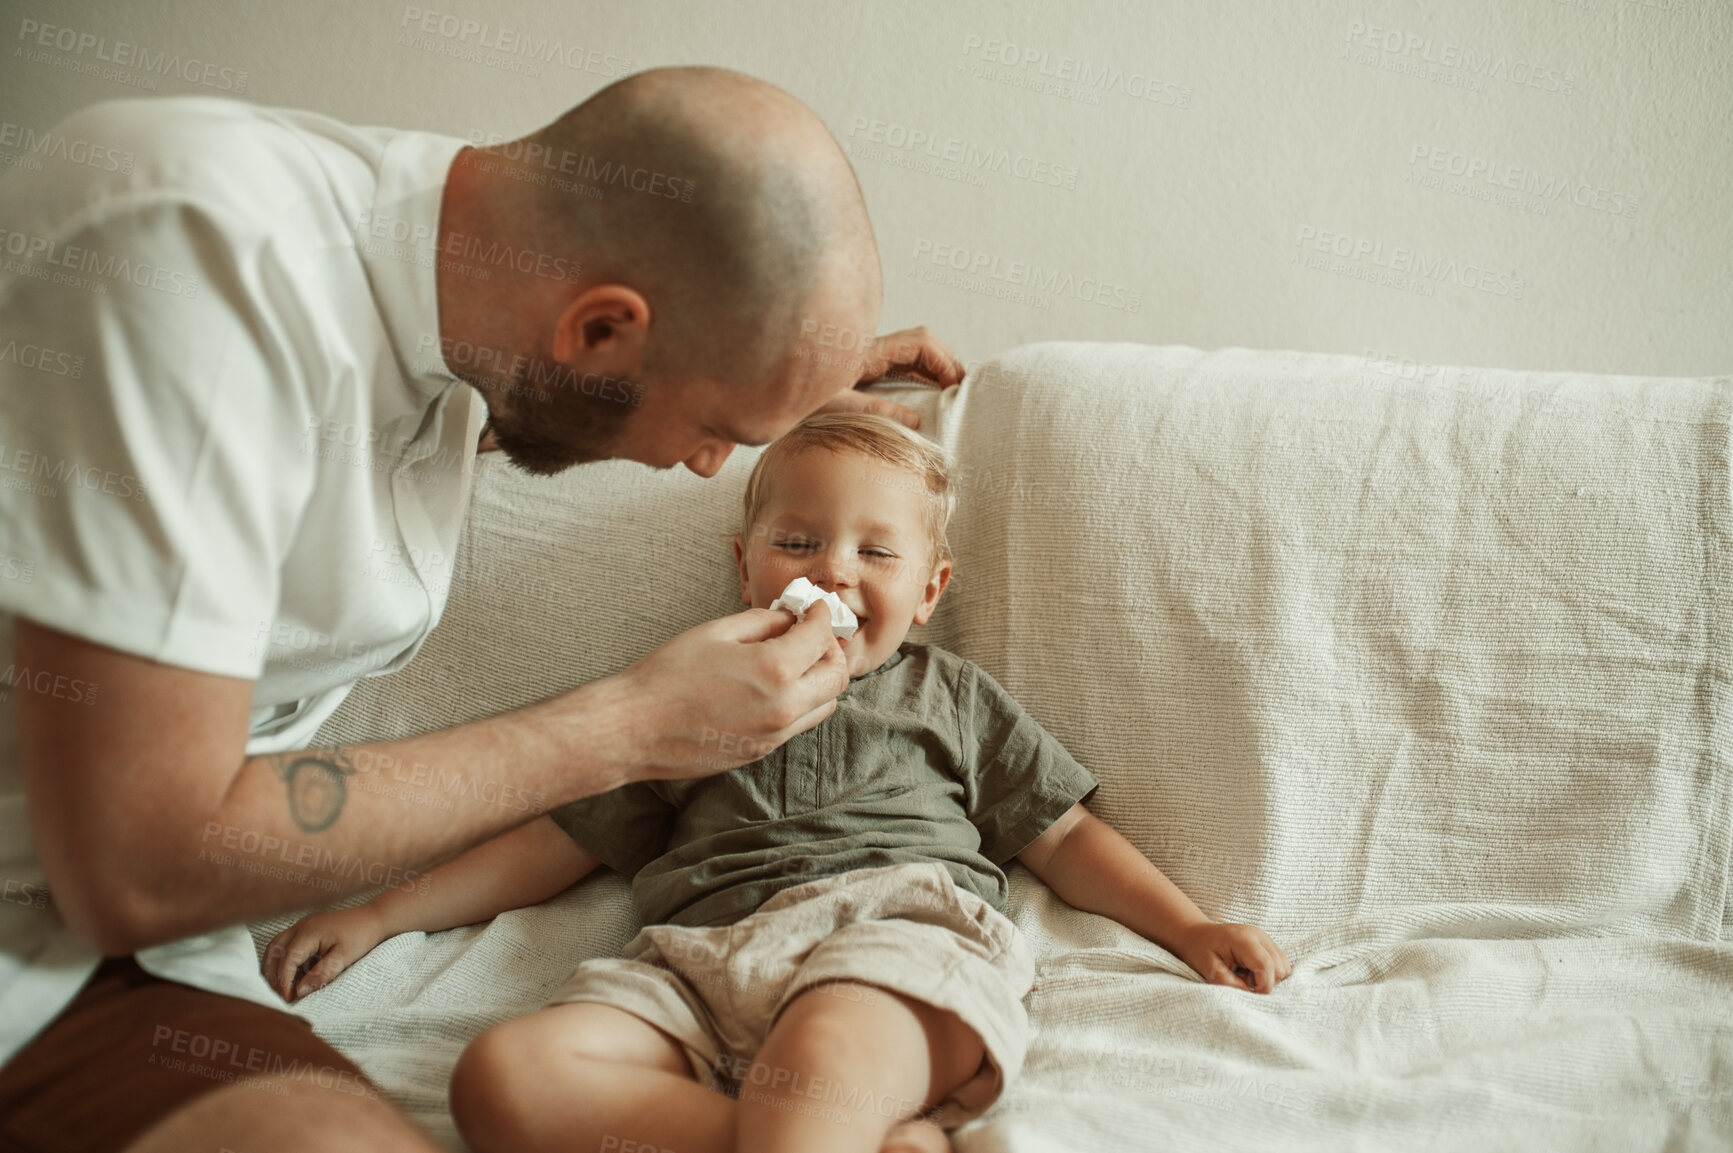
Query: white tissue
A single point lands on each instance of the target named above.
(801, 594)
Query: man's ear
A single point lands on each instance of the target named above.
(605, 329)
(941, 576)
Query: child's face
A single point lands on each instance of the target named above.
(852, 525)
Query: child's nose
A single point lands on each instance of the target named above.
(829, 573)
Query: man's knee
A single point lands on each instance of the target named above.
(273, 1114)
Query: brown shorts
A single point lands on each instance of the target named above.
(132, 1048)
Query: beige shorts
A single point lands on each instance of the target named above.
(905, 928)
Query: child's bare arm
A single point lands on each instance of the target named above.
(522, 867)
(1093, 868)
(526, 866)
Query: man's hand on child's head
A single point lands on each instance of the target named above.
(914, 354)
(1242, 956)
(911, 354)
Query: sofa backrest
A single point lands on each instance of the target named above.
(1338, 637)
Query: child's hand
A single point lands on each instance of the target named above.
(1239, 955)
(309, 954)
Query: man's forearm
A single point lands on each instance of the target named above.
(184, 853)
(302, 828)
(151, 826)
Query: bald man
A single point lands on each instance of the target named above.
(291, 337)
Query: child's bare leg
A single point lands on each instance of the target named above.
(572, 1076)
(844, 1064)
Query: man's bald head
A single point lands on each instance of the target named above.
(725, 201)
(714, 224)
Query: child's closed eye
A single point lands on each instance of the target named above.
(805, 546)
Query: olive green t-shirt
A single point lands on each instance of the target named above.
(926, 758)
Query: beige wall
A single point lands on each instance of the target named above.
(1524, 183)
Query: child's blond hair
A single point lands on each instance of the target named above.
(922, 462)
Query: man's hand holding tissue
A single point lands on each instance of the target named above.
(720, 695)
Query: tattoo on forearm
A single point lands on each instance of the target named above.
(316, 780)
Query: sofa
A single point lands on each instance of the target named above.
(1424, 670)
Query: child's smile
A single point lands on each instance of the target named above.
(852, 525)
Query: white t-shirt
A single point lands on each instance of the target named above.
(228, 442)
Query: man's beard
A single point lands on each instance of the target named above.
(548, 430)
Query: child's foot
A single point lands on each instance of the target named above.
(916, 1137)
